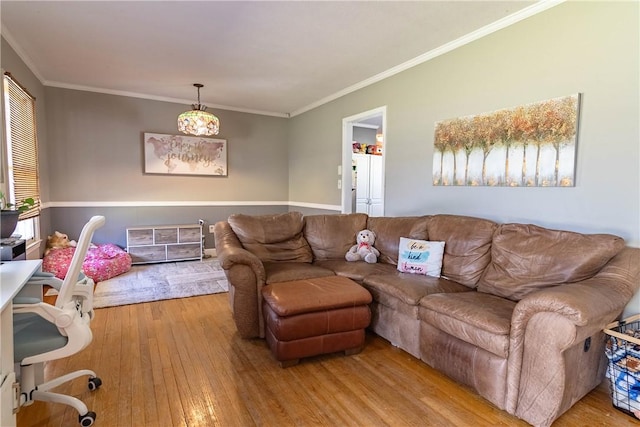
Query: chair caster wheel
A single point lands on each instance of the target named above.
(87, 419)
(94, 384)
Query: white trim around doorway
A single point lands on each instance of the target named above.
(347, 150)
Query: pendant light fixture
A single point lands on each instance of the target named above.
(198, 121)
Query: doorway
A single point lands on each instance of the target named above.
(364, 145)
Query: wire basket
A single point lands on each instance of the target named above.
(623, 351)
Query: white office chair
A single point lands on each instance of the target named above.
(44, 332)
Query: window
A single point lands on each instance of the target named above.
(21, 153)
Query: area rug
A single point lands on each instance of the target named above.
(155, 282)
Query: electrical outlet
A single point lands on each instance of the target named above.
(211, 227)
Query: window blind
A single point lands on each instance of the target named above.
(22, 145)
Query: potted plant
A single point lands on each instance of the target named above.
(9, 214)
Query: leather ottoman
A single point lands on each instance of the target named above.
(315, 316)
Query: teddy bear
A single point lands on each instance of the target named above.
(58, 241)
(364, 249)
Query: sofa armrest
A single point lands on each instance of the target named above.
(550, 365)
(589, 301)
(230, 251)
(246, 275)
(582, 303)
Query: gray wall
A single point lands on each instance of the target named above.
(364, 135)
(98, 139)
(96, 142)
(96, 146)
(577, 47)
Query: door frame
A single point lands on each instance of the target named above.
(347, 151)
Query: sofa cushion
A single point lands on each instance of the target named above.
(480, 319)
(420, 257)
(409, 289)
(467, 249)
(389, 230)
(273, 237)
(526, 258)
(357, 270)
(276, 272)
(331, 236)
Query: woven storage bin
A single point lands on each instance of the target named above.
(623, 371)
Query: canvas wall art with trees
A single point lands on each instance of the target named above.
(532, 145)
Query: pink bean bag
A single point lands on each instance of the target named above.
(101, 263)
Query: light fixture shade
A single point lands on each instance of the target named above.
(198, 122)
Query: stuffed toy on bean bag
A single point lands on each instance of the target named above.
(363, 249)
(58, 240)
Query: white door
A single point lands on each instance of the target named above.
(369, 197)
(376, 205)
(362, 182)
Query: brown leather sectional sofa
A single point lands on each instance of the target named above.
(517, 314)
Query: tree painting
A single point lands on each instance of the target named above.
(531, 145)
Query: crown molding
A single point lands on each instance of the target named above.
(160, 98)
(21, 54)
(32, 67)
(507, 21)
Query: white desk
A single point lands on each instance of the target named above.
(13, 276)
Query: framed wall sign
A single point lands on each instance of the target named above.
(184, 155)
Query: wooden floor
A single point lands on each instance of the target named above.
(180, 363)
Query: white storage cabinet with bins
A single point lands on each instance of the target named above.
(162, 243)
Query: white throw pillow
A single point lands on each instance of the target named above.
(420, 257)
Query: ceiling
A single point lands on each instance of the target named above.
(278, 58)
